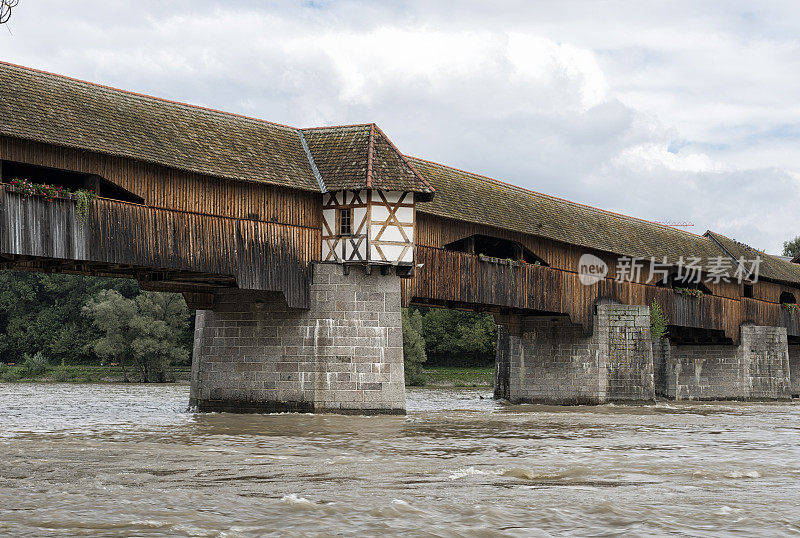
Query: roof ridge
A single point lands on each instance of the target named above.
(370, 154)
(713, 236)
(531, 191)
(750, 247)
(345, 126)
(147, 96)
(741, 244)
(405, 159)
(312, 162)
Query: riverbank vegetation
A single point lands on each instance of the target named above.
(448, 347)
(73, 328)
(459, 376)
(79, 373)
(58, 326)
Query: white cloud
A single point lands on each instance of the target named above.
(672, 111)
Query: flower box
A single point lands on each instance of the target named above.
(793, 308)
(501, 261)
(689, 292)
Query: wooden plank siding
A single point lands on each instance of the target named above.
(177, 190)
(463, 280)
(258, 255)
(263, 236)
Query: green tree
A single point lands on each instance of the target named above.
(144, 332)
(413, 347)
(40, 312)
(792, 248)
(459, 338)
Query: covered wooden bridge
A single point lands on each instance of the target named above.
(298, 247)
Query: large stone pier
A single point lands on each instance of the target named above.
(756, 369)
(343, 355)
(550, 360)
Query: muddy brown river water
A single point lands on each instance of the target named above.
(127, 460)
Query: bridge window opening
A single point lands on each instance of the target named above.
(689, 283)
(687, 336)
(496, 248)
(10, 170)
(459, 347)
(748, 291)
(787, 297)
(346, 221)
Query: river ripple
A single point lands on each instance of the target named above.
(121, 460)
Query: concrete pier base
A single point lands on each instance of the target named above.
(757, 369)
(345, 354)
(550, 360)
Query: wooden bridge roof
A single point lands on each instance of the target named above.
(474, 198)
(771, 267)
(58, 110)
(55, 109)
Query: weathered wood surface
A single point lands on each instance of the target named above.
(259, 255)
(176, 190)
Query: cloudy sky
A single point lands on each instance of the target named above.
(669, 111)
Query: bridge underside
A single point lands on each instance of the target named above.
(198, 288)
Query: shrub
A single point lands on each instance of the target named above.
(63, 373)
(9, 373)
(658, 322)
(35, 365)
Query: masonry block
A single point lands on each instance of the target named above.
(344, 354)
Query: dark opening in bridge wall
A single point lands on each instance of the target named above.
(694, 336)
(10, 170)
(689, 282)
(494, 247)
(787, 297)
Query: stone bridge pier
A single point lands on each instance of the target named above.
(550, 360)
(794, 369)
(343, 355)
(756, 369)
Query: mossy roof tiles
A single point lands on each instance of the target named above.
(771, 267)
(360, 157)
(474, 198)
(50, 108)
